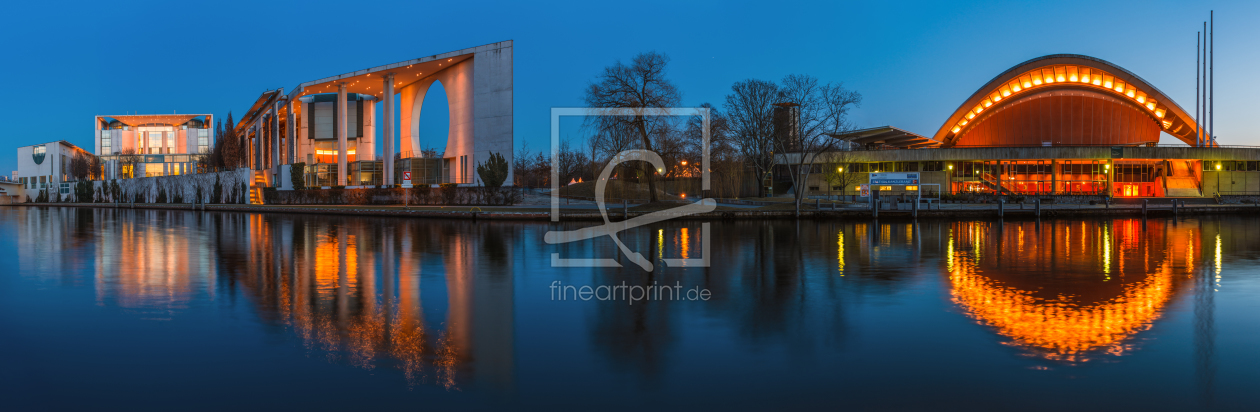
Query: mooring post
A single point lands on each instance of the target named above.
(625, 210)
(914, 209)
(1037, 205)
(875, 204)
(1144, 201)
(1174, 207)
(1001, 207)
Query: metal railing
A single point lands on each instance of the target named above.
(881, 148)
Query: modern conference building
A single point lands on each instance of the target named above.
(46, 166)
(152, 145)
(329, 123)
(1053, 125)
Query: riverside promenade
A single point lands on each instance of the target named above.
(587, 210)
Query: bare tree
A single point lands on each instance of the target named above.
(838, 171)
(638, 85)
(750, 114)
(813, 111)
(128, 158)
(80, 166)
(96, 169)
(571, 163)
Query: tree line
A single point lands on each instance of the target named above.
(757, 120)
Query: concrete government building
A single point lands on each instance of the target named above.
(1053, 125)
(329, 123)
(157, 144)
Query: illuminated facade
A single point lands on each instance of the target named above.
(329, 124)
(46, 166)
(152, 145)
(1055, 125)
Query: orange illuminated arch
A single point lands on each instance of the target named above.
(1119, 103)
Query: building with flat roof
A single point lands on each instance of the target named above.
(329, 123)
(1054, 125)
(153, 144)
(47, 166)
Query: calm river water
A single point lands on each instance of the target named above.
(179, 310)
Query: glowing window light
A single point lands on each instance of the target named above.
(1026, 81)
(1072, 74)
(997, 97)
(332, 152)
(1107, 81)
(1141, 97)
(957, 128)
(971, 116)
(1037, 81)
(1119, 86)
(1060, 74)
(1150, 105)
(1048, 75)
(963, 123)
(987, 103)
(979, 108)
(1006, 91)
(1159, 113)
(1097, 82)
(1130, 92)
(1085, 75)
(1167, 124)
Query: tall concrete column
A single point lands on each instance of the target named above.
(306, 151)
(366, 147)
(388, 135)
(341, 134)
(290, 138)
(258, 144)
(275, 138)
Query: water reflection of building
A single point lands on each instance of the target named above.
(349, 289)
(353, 290)
(161, 265)
(1070, 290)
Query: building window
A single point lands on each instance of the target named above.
(106, 142)
(203, 140)
(155, 142)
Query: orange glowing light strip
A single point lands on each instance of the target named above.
(1061, 329)
(1085, 75)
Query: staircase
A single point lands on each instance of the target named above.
(255, 190)
(995, 184)
(1181, 182)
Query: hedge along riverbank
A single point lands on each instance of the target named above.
(447, 194)
(221, 187)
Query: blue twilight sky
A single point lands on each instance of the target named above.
(914, 62)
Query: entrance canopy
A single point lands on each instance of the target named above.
(887, 136)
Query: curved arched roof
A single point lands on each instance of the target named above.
(1058, 71)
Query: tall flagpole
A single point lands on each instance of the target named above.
(1198, 131)
(1212, 85)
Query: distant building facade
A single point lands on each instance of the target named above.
(1054, 125)
(152, 145)
(46, 165)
